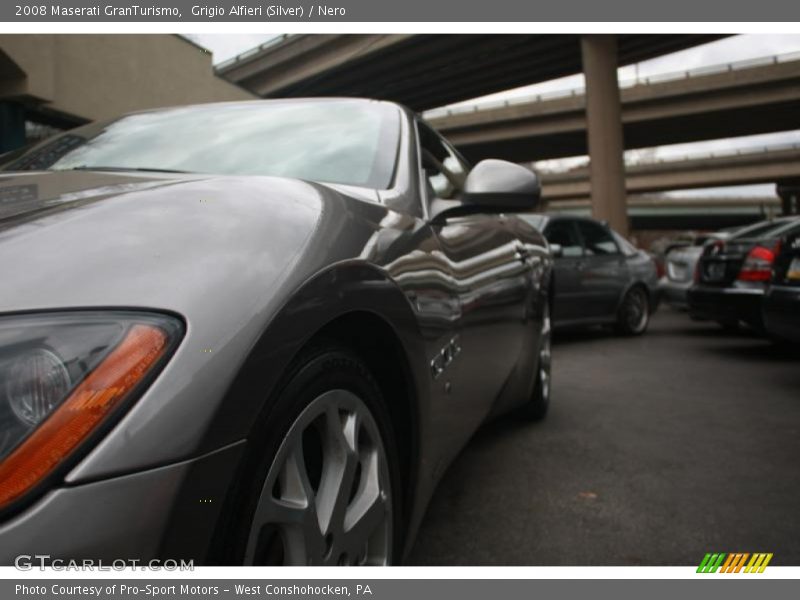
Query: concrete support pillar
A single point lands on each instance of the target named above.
(12, 126)
(790, 197)
(604, 129)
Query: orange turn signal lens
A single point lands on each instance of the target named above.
(83, 410)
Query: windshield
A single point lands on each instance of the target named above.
(786, 228)
(760, 228)
(352, 142)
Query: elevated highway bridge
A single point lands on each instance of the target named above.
(425, 71)
(767, 165)
(720, 101)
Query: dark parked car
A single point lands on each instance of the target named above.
(732, 275)
(681, 261)
(600, 278)
(255, 332)
(781, 304)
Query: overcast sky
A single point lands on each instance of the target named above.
(733, 49)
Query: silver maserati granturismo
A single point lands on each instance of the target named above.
(257, 332)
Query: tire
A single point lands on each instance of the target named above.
(321, 485)
(633, 315)
(539, 403)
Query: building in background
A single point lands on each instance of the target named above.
(52, 82)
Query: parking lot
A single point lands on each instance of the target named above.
(656, 450)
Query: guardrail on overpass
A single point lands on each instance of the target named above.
(471, 107)
(722, 101)
(768, 165)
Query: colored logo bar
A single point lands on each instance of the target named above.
(734, 563)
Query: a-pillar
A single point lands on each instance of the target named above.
(604, 130)
(12, 126)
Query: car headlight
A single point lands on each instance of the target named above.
(62, 376)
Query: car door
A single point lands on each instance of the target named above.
(490, 278)
(569, 295)
(604, 272)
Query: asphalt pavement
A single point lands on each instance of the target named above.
(657, 449)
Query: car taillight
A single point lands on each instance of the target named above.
(758, 264)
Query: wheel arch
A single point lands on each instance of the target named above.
(354, 304)
(634, 283)
(379, 346)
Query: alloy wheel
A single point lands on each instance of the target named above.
(545, 354)
(327, 496)
(636, 310)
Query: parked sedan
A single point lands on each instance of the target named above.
(681, 262)
(781, 306)
(256, 332)
(732, 275)
(600, 278)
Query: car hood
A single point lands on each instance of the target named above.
(75, 239)
(27, 195)
(225, 253)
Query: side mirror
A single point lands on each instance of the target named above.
(498, 184)
(556, 250)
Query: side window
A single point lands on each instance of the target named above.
(444, 169)
(565, 235)
(597, 239)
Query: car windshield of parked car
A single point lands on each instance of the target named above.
(762, 228)
(793, 226)
(350, 142)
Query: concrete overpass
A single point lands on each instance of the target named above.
(780, 164)
(425, 71)
(732, 100)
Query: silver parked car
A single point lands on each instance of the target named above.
(678, 277)
(255, 332)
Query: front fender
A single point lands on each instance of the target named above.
(344, 288)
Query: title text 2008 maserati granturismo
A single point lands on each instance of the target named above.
(255, 332)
